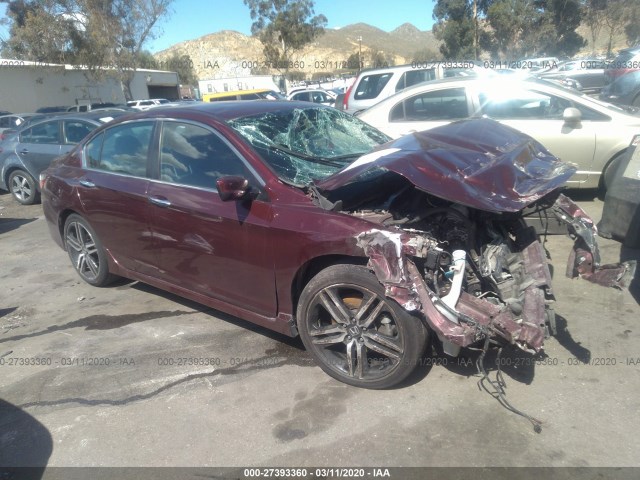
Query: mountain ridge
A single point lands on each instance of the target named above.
(229, 53)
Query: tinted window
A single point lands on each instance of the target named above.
(371, 85)
(195, 156)
(319, 97)
(302, 96)
(75, 131)
(48, 132)
(125, 149)
(271, 95)
(413, 77)
(508, 103)
(249, 96)
(448, 104)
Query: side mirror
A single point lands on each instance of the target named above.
(234, 188)
(571, 115)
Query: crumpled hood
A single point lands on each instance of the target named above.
(479, 163)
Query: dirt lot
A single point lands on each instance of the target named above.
(132, 376)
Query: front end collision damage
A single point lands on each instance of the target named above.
(519, 312)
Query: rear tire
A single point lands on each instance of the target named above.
(23, 187)
(355, 333)
(86, 252)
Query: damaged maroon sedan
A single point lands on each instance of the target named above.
(307, 221)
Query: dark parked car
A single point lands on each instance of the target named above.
(30, 150)
(587, 74)
(627, 60)
(624, 90)
(303, 219)
(621, 210)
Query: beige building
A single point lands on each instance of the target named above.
(27, 86)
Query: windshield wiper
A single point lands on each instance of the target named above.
(349, 155)
(311, 158)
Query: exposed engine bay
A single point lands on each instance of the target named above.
(474, 274)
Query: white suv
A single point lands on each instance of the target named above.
(373, 85)
(147, 104)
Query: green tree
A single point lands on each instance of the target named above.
(284, 27)
(511, 35)
(457, 28)
(183, 66)
(379, 59)
(40, 31)
(594, 16)
(106, 37)
(558, 25)
(355, 61)
(426, 55)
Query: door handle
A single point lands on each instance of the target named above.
(161, 202)
(24, 150)
(87, 183)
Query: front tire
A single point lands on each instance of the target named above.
(355, 333)
(23, 187)
(86, 252)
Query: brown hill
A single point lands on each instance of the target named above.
(230, 53)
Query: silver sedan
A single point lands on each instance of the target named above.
(574, 127)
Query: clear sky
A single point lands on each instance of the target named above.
(193, 18)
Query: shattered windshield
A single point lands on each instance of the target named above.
(306, 144)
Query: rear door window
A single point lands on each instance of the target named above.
(413, 77)
(121, 149)
(47, 132)
(371, 85)
(301, 97)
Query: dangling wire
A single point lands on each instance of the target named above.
(499, 386)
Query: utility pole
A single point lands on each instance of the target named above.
(359, 53)
(475, 29)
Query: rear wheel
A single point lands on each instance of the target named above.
(23, 187)
(86, 252)
(355, 333)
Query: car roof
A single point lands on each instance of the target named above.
(98, 117)
(21, 115)
(224, 111)
(238, 92)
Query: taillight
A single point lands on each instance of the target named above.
(43, 179)
(345, 100)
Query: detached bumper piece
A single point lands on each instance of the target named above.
(584, 259)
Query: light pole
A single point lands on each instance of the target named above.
(359, 53)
